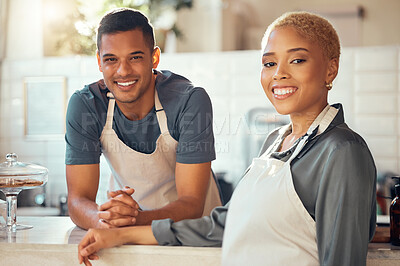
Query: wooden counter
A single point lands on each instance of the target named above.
(53, 241)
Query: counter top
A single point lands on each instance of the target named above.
(54, 241)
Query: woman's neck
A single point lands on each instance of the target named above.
(300, 125)
(301, 122)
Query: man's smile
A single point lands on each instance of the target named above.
(126, 83)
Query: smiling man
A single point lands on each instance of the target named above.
(153, 127)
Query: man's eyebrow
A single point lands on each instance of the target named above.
(289, 51)
(133, 53)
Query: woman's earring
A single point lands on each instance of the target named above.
(328, 86)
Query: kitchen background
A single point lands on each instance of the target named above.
(218, 51)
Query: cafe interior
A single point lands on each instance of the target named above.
(47, 52)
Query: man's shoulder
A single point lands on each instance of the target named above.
(176, 91)
(95, 90)
(169, 83)
(91, 98)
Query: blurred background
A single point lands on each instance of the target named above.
(47, 51)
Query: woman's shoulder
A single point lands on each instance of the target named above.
(338, 140)
(340, 135)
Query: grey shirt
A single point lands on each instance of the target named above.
(335, 178)
(189, 119)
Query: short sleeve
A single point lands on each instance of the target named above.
(345, 211)
(195, 125)
(82, 133)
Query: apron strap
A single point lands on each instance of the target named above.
(275, 144)
(328, 118)
(161, 116)
(110, 111)
(323, 120)
(321, 123)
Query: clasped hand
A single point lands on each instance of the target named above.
(120, 210)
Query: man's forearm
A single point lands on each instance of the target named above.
(83, 212)
(181, 209)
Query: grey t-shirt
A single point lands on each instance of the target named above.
(335, 178)
(189, 118)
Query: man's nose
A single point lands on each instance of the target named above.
(124, 68)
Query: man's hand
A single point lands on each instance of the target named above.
(120, 210)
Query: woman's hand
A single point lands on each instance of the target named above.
(99, 238)
(96, 239)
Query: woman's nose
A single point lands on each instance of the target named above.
(280, 73)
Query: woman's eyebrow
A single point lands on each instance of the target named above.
(268, 54)
(297, 49)
(288, 51)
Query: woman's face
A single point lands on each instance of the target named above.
(294, 73)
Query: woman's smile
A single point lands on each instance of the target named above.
(283, 92)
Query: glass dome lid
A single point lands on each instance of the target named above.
(11, 168)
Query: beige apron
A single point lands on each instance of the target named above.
(267, 223)
(151, 175)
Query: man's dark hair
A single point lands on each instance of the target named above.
(125, 19)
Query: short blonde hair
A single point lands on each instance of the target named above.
(312, 27)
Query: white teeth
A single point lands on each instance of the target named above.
(126, 83)
(283, 91)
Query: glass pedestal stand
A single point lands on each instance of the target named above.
(11, 221)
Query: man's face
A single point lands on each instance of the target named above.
(127, 63)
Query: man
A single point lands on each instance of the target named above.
(154, 128)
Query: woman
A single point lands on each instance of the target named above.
(309, 199)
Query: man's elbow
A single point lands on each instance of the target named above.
(73, 206)
(196, 213)
(195, 209)
(78, 209)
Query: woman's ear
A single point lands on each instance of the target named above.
(333, 68)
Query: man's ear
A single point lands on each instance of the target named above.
(333, 68)
(156, 57)
(98, 60)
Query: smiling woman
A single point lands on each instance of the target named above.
(294, 76)
(309, 198)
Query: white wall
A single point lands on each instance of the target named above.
(367, 85)
(379, 26)
(25, 30)
(201, 26)
(214, 25)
